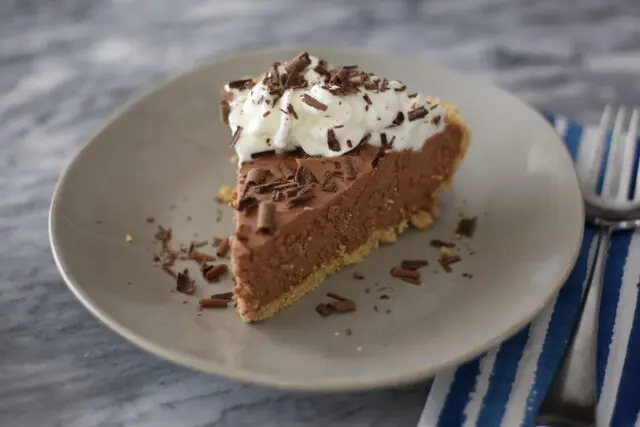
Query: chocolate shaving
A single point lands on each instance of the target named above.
(266, 113)
(467, 227)
(383, 140)
(349, 170)
(184, 283)
(404, 273)
(367, 99)
(198, 256)
(337, 296)
(349, 144)
(400, 89)
(223, 247)
(287, 171)
(413, 95)
(236, 136)
(292, 111)
(436, 120)
(358, 276)
(324, 310)
(446, 260)
(311, 101)
(298, 64)
(300, 199)
(332, 141)
(399, 119)
(364, 139)
(384, 296)
(265, 188)
(241, 84)
(304, 176)
(413, 264)
(285, 186)
(247, 204)
(417, 113)
(384, 85)
(339, 306)
(213, 303)
(213, 273)
(343, 306)
(370, 86)
(321, 68)
(163, 234)
(227, 296)
(437, 243)
(266, 218)
(255, 176)
(327, 184)
(225, 110)
(377, 157)
(266, 153)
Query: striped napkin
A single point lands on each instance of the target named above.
(506, 386)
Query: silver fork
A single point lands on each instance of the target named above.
(571, 400)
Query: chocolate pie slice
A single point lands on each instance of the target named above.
(332, 163)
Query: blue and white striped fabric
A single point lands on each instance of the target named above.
(506, 386)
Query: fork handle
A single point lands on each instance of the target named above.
(575, 383)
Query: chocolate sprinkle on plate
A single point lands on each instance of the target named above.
(227, 296)
(446, 260)
(358, 276)
(332, 141)
(417, 113)
(437, 243)
(413, 264)
(213, 303)
(213, 273)
(311, 101)
(223, 248)
(404, 273)
(467, 227)
(184, 283)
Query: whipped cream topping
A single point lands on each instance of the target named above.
(305, 103)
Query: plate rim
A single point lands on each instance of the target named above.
(274, 381)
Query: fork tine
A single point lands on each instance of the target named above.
(629, 158)
(632, 138)
(614, 159)
(600, 143)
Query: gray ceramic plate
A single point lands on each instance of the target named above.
(166, 155)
